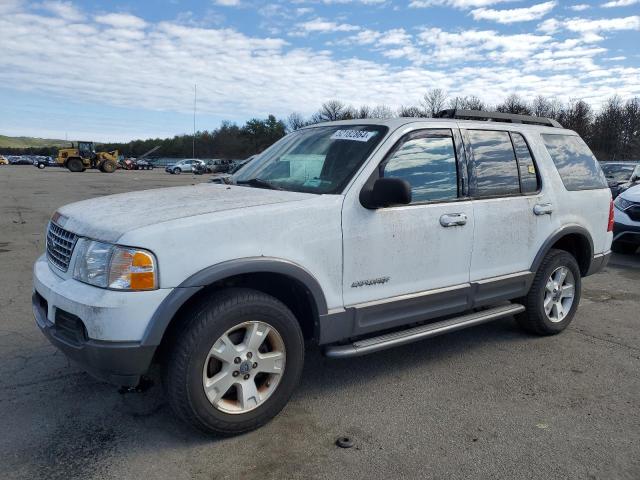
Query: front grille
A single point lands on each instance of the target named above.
(634, 212)
(60, 245)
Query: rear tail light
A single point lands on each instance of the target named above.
(610, 226)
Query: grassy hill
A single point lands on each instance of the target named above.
(26, 142)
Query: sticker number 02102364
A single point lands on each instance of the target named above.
(355, 135)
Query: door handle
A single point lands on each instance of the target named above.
(543, 209)
(453, 219)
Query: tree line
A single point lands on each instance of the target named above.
(612, 132)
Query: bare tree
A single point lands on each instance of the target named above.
(514, 104)
(434, 101)
(410, 111)
(381, 111)
(295, 121)
(333, 110)
(364, 112)
(467, 103)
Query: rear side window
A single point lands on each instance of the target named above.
(494, 170)
(427, 161)
(576, 165)
(529, 180)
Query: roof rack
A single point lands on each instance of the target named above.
(496, 117)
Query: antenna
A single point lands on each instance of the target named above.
(195, 99)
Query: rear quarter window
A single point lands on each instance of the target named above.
(578, 168)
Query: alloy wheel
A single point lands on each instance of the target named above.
(244, 367)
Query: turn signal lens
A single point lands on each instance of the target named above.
(132, 269)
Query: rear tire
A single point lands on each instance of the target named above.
(208, 387)
(75, 165)
(554, 295)
(624, 248)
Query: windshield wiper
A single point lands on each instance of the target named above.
(260, 183)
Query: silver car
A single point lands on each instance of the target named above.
(182, 166)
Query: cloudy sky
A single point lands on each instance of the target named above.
(116, 70)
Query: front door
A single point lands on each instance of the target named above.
(411, 262)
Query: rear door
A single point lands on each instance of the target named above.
(512, 214)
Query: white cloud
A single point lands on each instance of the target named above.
(550, 26)
(579, 7)
(590, 30)
(320, 25)
(514, 15)
(462, 4)
(470, 45)
(121, 20)
(227, 3)
(584, 25)
(619, 3)
(64, 10)
(153, 65)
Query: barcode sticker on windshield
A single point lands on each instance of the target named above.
(356, 135)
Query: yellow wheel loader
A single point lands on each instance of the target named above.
(83, 155)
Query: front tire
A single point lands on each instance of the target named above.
(177, 171)
(75, 165)
(554, 295)
(108, 166)
(235, 363)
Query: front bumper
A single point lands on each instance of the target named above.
(107, 337)
(626, 233)
(120, 363)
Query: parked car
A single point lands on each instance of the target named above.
(182, 166)
(3, 160)
(626, 229)
(619, 175)
(143, 164)
(227, 178)
(356, 235)
(21, 160)
(43, 162)
(200, 168)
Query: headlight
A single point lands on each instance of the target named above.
(112, 266)
(622, 204)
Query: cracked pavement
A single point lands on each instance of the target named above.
(488, 402)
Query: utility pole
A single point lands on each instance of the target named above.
(195, 97)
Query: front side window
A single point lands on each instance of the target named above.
(428, 162)
(578, 168)
(494, 170)
(314, 160)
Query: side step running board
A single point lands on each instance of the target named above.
(394, 339)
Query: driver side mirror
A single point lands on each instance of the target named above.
(387, 192)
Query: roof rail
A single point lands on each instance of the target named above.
(496, 117)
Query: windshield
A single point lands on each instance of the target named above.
(314, 160)
(617, 172)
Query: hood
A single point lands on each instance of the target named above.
(632, 194)
(108, 218)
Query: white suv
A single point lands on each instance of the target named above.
(356, 235)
